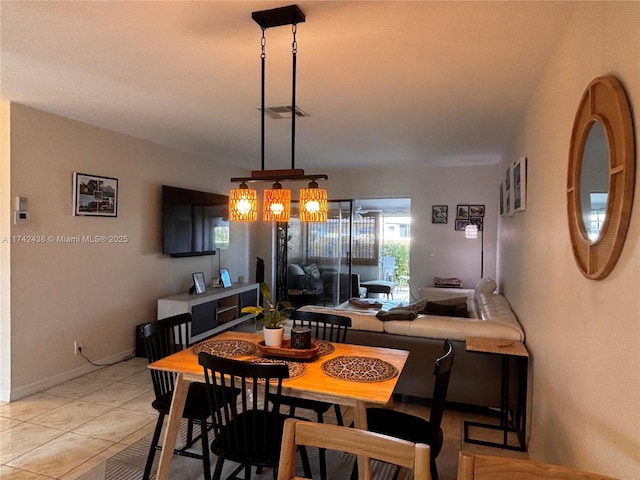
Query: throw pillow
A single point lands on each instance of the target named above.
(313, 270)
(461, 310)
(414, 307)
(396, 314)
(295, 269)
(450, 282)
(435, 308)
(486, 285)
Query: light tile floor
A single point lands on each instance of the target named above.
(67, 430)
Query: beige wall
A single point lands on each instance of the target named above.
(583, 335)
(95, 292)
(436, 249)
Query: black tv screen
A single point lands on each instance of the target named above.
(194, 223)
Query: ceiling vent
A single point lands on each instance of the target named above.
(284, 111)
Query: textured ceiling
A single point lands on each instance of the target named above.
(402, 83)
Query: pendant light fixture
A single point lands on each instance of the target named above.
(243, 204)
(277, 200)
(313, 203)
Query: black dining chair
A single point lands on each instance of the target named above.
(415, 429)
(161, 339)
(332, 328)
(324, 326)
(247, 431)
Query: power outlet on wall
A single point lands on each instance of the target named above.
(77, 346)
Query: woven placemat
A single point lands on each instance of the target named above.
(226, 348)
(324, 347)
(296, 369)
(359, 369)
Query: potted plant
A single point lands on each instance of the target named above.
(272, 318)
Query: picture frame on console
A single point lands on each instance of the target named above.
(225, 278)
(199, 285)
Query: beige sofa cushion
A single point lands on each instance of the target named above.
(496, 320)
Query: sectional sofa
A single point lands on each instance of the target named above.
(475, 378)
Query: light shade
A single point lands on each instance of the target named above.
(471, 231)
(243, 204)
(313, 204)
(277, 204)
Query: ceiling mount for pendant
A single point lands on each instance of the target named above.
(277, 17)
(277, 200)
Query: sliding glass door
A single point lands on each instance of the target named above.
(316, 262)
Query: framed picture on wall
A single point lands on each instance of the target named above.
(520, 185)
(462, 212)
(501, 202)
(94, 195)
(476, 210)
(461, 224)
(477, 221)
(507, 192)
(439, 214)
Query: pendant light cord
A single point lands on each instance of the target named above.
(294, 51)
(263, 55)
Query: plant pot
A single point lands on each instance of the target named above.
(273, 336)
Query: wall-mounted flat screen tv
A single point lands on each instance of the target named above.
(194, 223)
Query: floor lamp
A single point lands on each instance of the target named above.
(471, 232)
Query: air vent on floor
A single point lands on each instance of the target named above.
(284, 111)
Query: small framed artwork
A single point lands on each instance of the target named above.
(507, 192)
(439, 214)
(477, 221)
(476, 211)
(225, 278)
(501, 202)
(94, 195)
(198, 283)
(520, 185)
(462, 212)
(461, 224)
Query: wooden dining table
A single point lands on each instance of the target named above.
(314, 384)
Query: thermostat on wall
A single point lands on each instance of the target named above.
(20, 215)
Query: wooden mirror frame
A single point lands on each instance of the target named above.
(604, 100)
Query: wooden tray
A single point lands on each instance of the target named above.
(285, 351)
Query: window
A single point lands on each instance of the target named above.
(330, 240)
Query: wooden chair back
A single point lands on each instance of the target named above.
(324, 326)
(485, 467)
(363, 443)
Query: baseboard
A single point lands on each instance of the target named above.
(63, 377)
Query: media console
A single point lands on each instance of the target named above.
(212, 312)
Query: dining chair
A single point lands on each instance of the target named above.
(324, 326)
(415, 429)
(247, 431)
(365, 444)
(162, 338)
(486, 467)
(331, 328)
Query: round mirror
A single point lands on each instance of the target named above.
(601, 177)
(594, 181)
